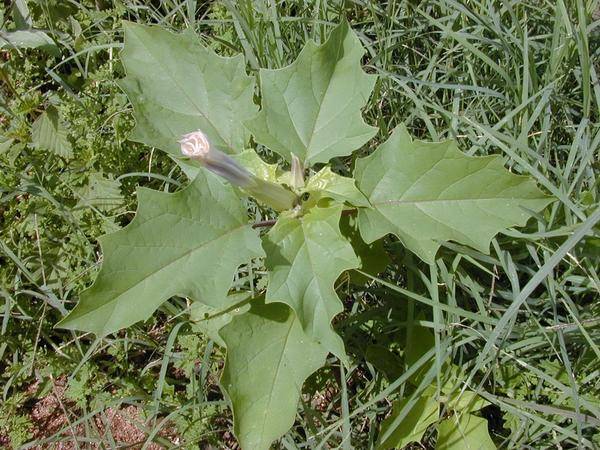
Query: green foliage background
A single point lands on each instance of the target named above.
(511, 78)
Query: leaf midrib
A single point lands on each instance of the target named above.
(320, 108)
(412, 202)
(116, 298)
(275, 376)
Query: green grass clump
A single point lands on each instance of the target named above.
(519, 328)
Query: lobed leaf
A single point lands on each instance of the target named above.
(189, 243)
(268, 358)
(312, 107)
(177, 85)
(305, 256)
(426, 193)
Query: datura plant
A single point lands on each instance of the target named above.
(199, 108)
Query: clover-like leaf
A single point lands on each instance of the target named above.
(268, 358)
(177, 85)
(189, 243)
(305, 256)
(100, 192)
(49, 133)
(426, 193)
(312, 107)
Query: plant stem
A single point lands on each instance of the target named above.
(271, 222)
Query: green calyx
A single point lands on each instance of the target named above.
(271, 194)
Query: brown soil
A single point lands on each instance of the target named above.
(54, 412)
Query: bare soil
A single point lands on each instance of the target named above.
(53, 417)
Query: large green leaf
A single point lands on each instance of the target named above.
(176, 86)
(48, 133)
(305, 256)
(189, 243)
(426, 193)
(268, 358)
(396, 433)
(312, 107)
(464, 432)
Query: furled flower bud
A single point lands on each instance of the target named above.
(196, 146)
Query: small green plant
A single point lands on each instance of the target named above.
(193, 242)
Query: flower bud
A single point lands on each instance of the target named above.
(297, 172)
(196, 146)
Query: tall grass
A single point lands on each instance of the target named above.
(514, 78)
